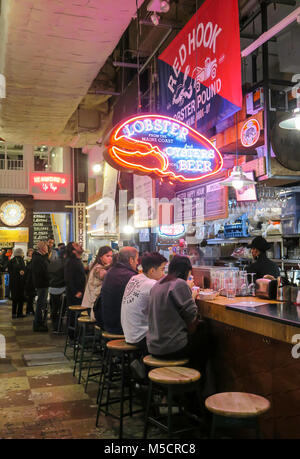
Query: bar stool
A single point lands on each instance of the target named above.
(105, 338)
(73, 313)
(96, 358)
(236, 409)
(83, 340)
(126, 353)
(175, 381)
(151, 361)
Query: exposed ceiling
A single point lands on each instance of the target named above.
(57, 57)
(50, 53)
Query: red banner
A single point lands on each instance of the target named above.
(200, 71)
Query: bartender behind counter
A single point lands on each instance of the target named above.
(262, 265)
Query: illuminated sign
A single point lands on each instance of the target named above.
(175, 230)
(163, 147)
(250, 133)
(49, 183)
(12, 213)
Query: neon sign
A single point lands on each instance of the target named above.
(175, 230)
(163, 147)
(49, 183)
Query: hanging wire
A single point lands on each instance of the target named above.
(236, 140)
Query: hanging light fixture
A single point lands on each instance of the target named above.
(237, 179)
(293, 122)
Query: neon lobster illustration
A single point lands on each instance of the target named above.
(160, 146)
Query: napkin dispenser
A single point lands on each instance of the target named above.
(266, 288)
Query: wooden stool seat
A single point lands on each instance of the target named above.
(174, 375)
(120, 345)
(86, 319)
(84, 313)
(237, 404)
(77, 308)
(154, 362)
(112, 336)
(97, 328)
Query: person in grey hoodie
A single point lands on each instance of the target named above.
(172, 312)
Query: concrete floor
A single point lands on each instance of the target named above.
(46, 401)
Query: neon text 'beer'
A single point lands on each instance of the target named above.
(163, 147)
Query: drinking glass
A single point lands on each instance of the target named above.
(243, 284)
(230, 284)
(251, 287)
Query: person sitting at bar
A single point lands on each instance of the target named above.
(173, 312)
(107, 309)
(97, 273)
(262, 265)
(135, 303)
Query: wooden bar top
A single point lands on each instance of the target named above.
(274, 320)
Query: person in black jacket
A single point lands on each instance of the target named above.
(57, 286)
(40, 276)
(16, 269)
(262, 265)
(74, 274)
(113, 287)
(30, 291)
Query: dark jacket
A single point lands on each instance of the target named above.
(111, 296)
(40, 275)
(3, 263)
(263, 266)
(74, 276)
(29, 286)
(56, 272)
(16, 280)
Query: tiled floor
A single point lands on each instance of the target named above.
(46, 401)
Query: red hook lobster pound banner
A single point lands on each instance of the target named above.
(200, 71)
(162, 147)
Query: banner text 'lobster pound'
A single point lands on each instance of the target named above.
(162, 147)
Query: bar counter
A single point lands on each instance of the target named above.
(251, 351)
(273, 319)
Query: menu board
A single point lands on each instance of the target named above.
(42, 228)
(206, 202)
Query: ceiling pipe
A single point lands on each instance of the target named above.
(294, 16)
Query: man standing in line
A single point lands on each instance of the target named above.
(40, 276)
(52, 254)
(74, 274)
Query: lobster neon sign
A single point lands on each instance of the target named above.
(163, 147)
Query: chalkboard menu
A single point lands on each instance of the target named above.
(205, 202)
(42, 227)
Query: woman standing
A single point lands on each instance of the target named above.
(29, 287)
(98, 271)
(16, 269)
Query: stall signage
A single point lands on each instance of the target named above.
(13, 235)
(49, 183)
(200, 71)
(175, 230)
(163, 147)
(250, 133)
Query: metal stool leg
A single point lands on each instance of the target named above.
(170, 404)
(82, 352)
(148, 409)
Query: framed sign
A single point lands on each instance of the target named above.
(162, 147)
(250, 133)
